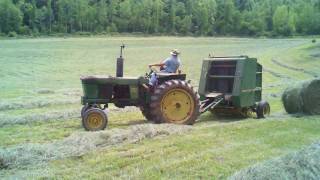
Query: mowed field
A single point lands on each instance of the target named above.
(40, 94)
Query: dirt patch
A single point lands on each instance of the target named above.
(81, 143)
(304, 164)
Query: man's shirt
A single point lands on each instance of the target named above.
(171, 64)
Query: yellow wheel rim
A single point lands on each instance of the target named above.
(95, 120)
(177, 106)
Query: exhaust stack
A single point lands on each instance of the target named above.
(120, 61)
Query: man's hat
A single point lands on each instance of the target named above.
(175, 52)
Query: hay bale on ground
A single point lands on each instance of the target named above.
(303, 98)
(304, 164)
(82, 142)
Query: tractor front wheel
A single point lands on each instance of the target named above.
(84, 109)
(175, 101)
(94, 119)
(87, 107)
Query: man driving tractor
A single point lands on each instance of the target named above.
(170, 65)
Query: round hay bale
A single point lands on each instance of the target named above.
(303, 98)
(292, 100)
(311, 97)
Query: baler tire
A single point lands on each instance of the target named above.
(263, 109)
(175, 99)
(95, 119)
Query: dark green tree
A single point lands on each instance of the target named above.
(10, 17)
(284, 21)
(187, 17)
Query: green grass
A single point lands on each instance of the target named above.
(208, 151)
(50, 130)
(216, 147)
(38, 132)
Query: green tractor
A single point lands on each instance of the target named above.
(228, 84)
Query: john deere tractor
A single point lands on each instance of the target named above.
(227, 83)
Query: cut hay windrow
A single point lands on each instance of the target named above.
(276, 74)
(7, 119)
(22, 104)
(45, 91)
(295, 68)
(82, 142)
(304, 164)
(303, 98)
(25, 119)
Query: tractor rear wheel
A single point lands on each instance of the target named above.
(94, 119)
(146, 112)
(175, 101)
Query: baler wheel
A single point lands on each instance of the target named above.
(175, 101)
(95, 119)
(263, 109)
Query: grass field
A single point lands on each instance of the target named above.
(40, 103)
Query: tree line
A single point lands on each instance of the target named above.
(178, 17)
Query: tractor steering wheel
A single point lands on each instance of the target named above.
(151, 71)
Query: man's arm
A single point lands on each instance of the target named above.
(179, 68)
(163, 63)
(160, 65)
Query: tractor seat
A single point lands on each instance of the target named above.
(173, 75)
